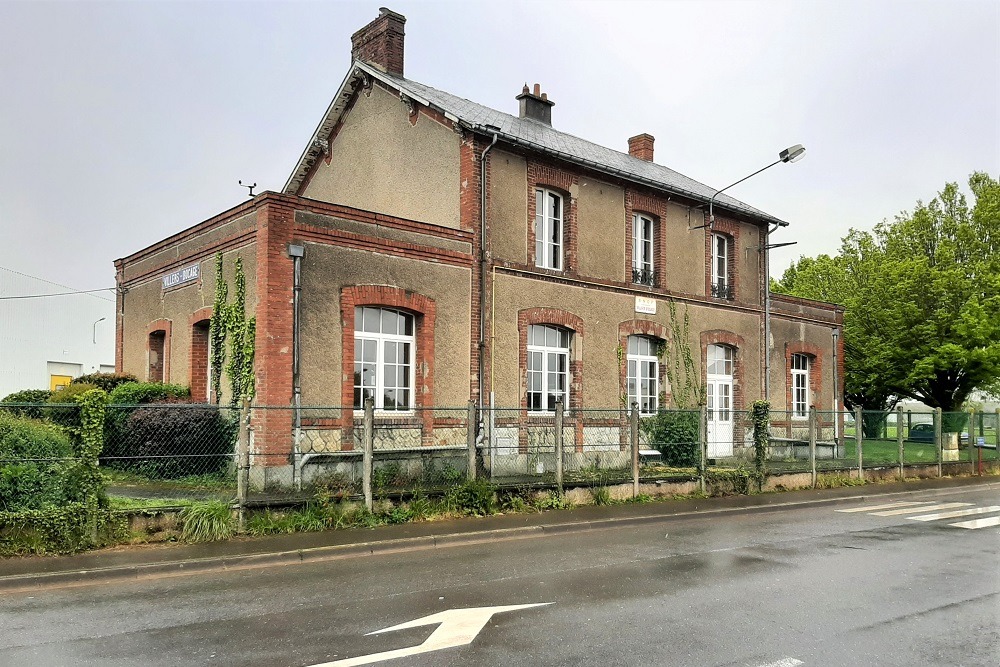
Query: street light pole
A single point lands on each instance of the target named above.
(95, 329)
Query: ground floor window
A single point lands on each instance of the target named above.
(384, 352)
(548, 367)
(643, 374)
(800, 386)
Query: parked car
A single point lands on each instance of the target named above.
(921, 433)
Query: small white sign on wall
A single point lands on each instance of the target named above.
(645, 305)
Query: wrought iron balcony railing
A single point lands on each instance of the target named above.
(643, 276)
(722, 290)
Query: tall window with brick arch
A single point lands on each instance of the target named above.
(384, 353)
(642, 374)
(548, 229)
(721, 284)
(801, 364)
(643, 242)
(548, 367)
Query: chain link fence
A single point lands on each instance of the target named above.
(170, 454)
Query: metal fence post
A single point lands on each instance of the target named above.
(859, 439)
(633, 439)
(996, 435)
(559, 444)
(368, 437)
(702, 446)
(243, 463)
(937, 441)
(899, 439)
(812, 443)
(470, 441)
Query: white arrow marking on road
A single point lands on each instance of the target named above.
(458, 628)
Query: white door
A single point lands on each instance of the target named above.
(719, 395)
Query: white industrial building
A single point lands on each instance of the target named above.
(47, 340)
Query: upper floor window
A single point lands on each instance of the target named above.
(383, 358)
(721, 285)
(548, 367)
(643, 374)
(548, 229)
(800, 385)
(642, 250)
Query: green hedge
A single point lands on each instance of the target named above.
(136, 393)
(675, 435)
(31, 399)
(37, 464)
(54, 530)
(106, 381)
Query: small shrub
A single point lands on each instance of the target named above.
(601, 495)
(105, 381)
(137, 393)
(675, 435)
(63, 408)
(207, 522)
(477, 497)
(551, 501)
(514, 500)
(170, 441)
(30, 402)
(36, 463)
(386, 476)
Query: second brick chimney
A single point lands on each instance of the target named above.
(380, 43)
(641, 146)
(536, 105)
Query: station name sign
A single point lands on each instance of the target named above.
(181, 276)
(645, 305)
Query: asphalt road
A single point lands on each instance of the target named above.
(811, 586)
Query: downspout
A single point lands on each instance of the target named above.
(836, 389)
(483, 261)
(296, 252)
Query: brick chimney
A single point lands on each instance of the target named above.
(380, 43)
(641, 146)
(536, 105)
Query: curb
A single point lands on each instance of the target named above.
(41, 581)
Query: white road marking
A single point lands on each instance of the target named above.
(955, 513)
(914, 510)
(886, 506)
(458, 627)
(785, 662)
(978, 523)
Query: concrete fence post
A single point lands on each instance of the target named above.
(972, 439)
(859, 440)
(938, 442)
(899, 440)
(368, 443)
(812, 443)
(633, 438)
(243, 464)
(470, 441)
(560, 413)
(702, 446)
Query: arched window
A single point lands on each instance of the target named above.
(643, 241)
(642, 374)
(800, 366)
(548, 229)
(384, 353)
(721, 280)
(157, 355)
(548, 367)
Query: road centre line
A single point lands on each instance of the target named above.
(886, 506)
(914, 510)
(955, 513)
(978, 523)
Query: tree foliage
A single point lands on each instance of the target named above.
(922, 300)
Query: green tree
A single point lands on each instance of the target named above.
(922, 301)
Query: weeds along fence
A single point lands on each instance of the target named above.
(170, 454)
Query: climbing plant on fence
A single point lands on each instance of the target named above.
(760, 421)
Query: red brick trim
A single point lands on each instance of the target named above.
(198, 360)
(815, 354)
(651, 330)
(735, 341)
(163, 367)
(425, 311)
(541, 175)
(731, 230)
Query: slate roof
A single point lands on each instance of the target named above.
(531, 134)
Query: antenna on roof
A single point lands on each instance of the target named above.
(248, 186)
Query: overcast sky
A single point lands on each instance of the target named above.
(123, 123)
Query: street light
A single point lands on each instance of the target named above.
(790, 154)
(95, 329)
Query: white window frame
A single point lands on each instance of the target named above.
(547, 369)
(643, 244)
(549, 253)
(642, 365)
(720, 255)
(800, 368)
(381, 340)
